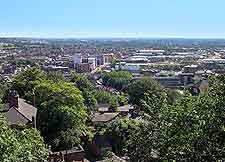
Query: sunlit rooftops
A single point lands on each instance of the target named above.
(222, 61)
(191, 66)
(151, 51)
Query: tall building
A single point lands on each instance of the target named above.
(77, 59)
(108, 58)
(93, 61)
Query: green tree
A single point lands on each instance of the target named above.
(21, 145)
(32, 147)
(90, 101)
(61, 113)
(55, 76)
(82, 82)
(113, 64)
(113, 103)
(118, 80)
(119, 131)
(138, 89)
(103, 97)
(153, 103)
(173, 96)
(87, 88)
(190, 130)
(26, 80)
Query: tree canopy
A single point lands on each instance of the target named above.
(117, 79)
(87, 88)
(61, 113)
(190, 130)
(21, 145)
(119, 131)
(139, 88)
(26, 80)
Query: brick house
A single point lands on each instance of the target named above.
(20, 113)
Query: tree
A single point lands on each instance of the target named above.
(138, 89)
(55, 76)
(87, 88)
(113, 104)
(153, 103)
(173, 96)
(82, 82)
(190, 130)
(21, 145)
(4, 89)
(61, 113)
(32, 146)
(103, 97)
(90, 101)
(143, 144)
(118, 80)
(113, 64)
(122, 100)
(26, 80)
(119, 131)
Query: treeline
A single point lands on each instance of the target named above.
(168, 125)
(189, 129)
(63, 106)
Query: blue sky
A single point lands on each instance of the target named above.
(113, 18)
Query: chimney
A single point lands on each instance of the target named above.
(34, 122)
(33, 99)
(13, 99)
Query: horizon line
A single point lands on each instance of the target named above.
(110, 37)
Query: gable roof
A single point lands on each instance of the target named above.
(21, 114)
(27, 110)
(104, 117)
(15, 118)
(105, 108)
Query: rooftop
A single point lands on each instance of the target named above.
(104, 117)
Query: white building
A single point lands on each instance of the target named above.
(92, 60)
(77, 59)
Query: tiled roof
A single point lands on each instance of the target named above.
(26, 109)
(21, 114)
(103, 117)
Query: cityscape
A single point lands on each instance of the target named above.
(179, 65)
(112, 81)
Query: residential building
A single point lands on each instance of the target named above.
(108, 58)
(20, 113)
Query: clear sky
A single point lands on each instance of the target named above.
(113, 18)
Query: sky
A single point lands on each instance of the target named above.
(112, 18)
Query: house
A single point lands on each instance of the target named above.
(199, 87)
(74, 155)
(113, 158)
(20, 113)
(98, 118)
(122, 110)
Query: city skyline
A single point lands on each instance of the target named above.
(113, 19)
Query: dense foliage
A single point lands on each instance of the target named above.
(119, 131)
(118, 80)
(61, 110)
(104, 97)
(24, 145)
(169, 127)
(138, 89)
(191, 130)
(26, 81)
(61, 113)
(87, 88)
